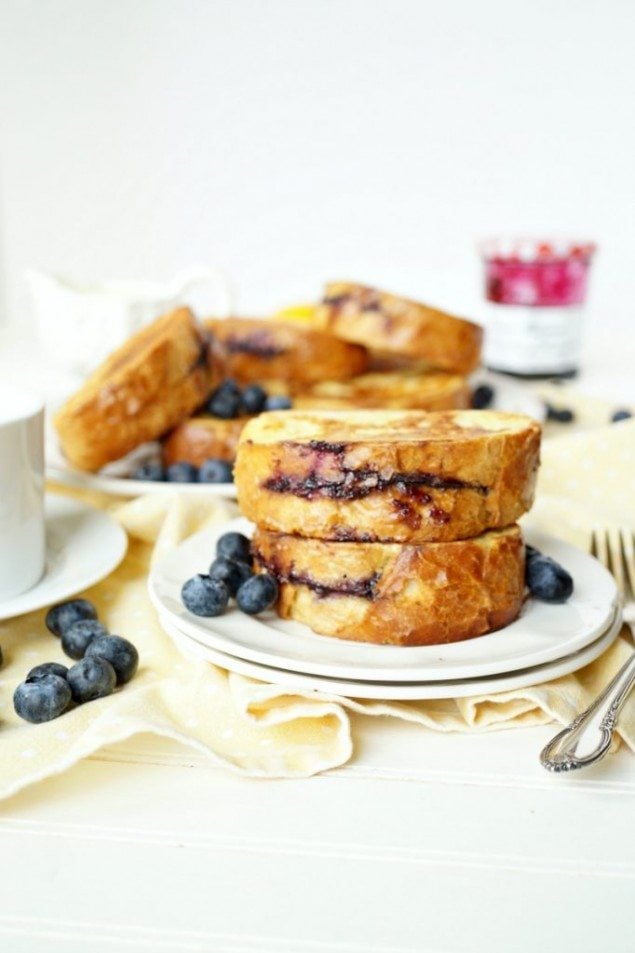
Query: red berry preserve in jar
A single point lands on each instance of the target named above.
(535, 292)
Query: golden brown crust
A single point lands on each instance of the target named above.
(154, 380)
(435, 390)
(386, 322)
(397, 594)
(402, 476)
(203, 438)
(259, 349)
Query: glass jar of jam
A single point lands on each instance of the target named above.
(535, 292)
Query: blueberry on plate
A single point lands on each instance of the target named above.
(278, 402)
(42, 700)
(215, 471)
(482, 397)
(621, 414)
(234, 546)
(92, 677)
(152, 471)
(226, 401)
(204, 596)
(76, 637)
(547, 580)
(253, 399)
(121, 654)
(46, 668)
(232, 572)
(182, 472)
(62, 616)
(257, 594)
(561, 415)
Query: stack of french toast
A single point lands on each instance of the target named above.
(362, 348)
(393, 527)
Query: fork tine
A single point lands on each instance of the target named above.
(628, 550)
(615, 552)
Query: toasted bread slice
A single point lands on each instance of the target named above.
(385, 322)
(148, 385)
(403, 476)
(397, 594)
(203, 438)
(435, 390)
(259, 349)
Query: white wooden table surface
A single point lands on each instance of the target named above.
(425, 842)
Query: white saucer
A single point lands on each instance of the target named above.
(541, 634)
(83, 545)
(398, 691)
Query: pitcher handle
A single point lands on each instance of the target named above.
(206, 275)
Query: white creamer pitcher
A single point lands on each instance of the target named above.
(78, 326)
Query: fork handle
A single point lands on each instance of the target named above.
(560, 753)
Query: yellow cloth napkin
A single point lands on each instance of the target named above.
(249, 726)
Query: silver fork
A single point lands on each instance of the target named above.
(615, 548)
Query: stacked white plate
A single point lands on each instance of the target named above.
(545, 642)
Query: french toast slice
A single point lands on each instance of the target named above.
(202, 438)
(154, 380)
(397, 594)
(405, 476)
(259, 349)
(435, 390)
(386, 322)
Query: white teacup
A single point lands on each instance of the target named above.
(22, 531)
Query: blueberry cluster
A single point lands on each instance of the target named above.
(104, 661)
(229, 401)
(546, 579)
(210, 471)
(230, 574)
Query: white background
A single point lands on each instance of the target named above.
(292, 141)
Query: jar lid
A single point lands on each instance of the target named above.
(534, 249)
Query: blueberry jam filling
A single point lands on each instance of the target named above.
(358, 484)
(258, 344)
(362, 588)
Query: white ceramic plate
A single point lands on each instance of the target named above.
(397, 691)
(510, 395)
(116, 477)
(543, 632)
(83, 545)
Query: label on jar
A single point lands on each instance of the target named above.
(533, 340)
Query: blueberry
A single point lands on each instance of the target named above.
(216, 471)
(46, 668)
(62, 616)
(234, 546)
(204, 596)
(93, 677)
(278, 402)
(121, 654)
(42, 700)
(182, 472)
(253, 399)
(257, 594)
(226, 400)
(621, 415)
(561, 415)
(152, 471)
(232, 572)
(482, 397)
(547, 580)
(531, 551)
(75, 639)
